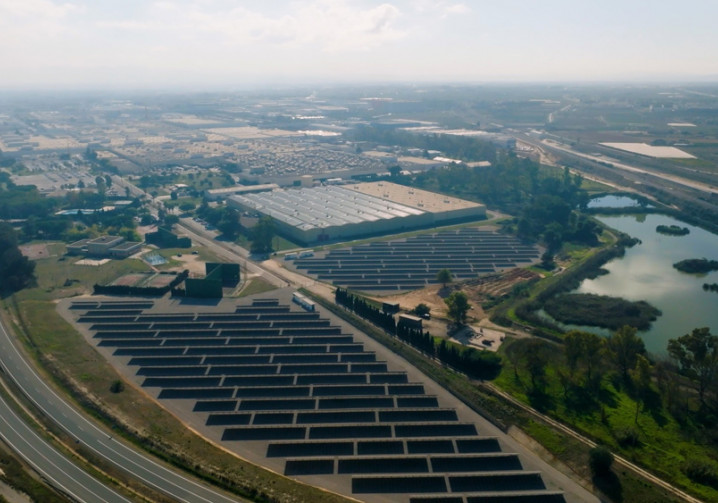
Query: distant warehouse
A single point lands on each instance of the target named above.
(336, 213)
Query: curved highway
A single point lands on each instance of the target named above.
(136, 464)
(63, 474)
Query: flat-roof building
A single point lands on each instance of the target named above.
(334, 213)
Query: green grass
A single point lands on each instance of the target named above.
(256, 286)
(664, 444)
(60, 276)
(84, 373)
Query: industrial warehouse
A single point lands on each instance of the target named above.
(335, 213)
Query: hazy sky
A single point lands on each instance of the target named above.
(224, 43)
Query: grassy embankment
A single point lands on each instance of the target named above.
(76, 367)
(568, 450)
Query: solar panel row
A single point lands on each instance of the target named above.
(312, 395)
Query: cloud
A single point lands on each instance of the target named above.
(35, 9)
(442, 8)
(327, 25)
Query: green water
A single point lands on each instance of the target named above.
(646, 273)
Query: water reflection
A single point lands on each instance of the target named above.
(646, 273)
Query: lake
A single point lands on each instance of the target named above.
(646, 273)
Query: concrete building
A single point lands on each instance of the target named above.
(335, 213)
(105, 246)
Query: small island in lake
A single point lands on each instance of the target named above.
(696, 265)
(672, 230)
(712, 287)
(601, 311)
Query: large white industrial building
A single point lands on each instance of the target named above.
(336, 213)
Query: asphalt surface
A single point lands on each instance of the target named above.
(126, 458)
(51, 464)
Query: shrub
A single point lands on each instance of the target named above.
(600, 460)
(117, 386)
(702, 471)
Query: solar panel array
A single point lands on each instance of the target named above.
(413, 263)
(316, 397)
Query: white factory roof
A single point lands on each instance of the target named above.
(321, 207)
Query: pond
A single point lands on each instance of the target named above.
(646, 273)
(613, 201)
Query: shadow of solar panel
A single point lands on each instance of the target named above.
(278, 404)
(181, 382)
(195, 393)
(516, 497)
(384, 447)
(267, 418)
(443, 446)
(420, 415)
(309, 467)
(273, 392)
(435, 430)
(228, 419)
(308, 449)
(264, 433)
(213, 405)
(483, 463)
(496, 481)
(411, 485)
(350, 431)
(358, 390)
(336, 417)
(383, 465)
(356, 403)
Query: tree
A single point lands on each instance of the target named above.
(583, 349)
(535, 360)
(228, 223)
(16, 271)
(625, 346)
(173, 195)
(697, 354)
(422, 310)
(444, 277)
(262, 235)
(458, 304)
(600, 460)
(641, 376)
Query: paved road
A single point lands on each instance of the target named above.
(54, 466)
(128, 459)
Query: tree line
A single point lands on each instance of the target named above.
(471, 361)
